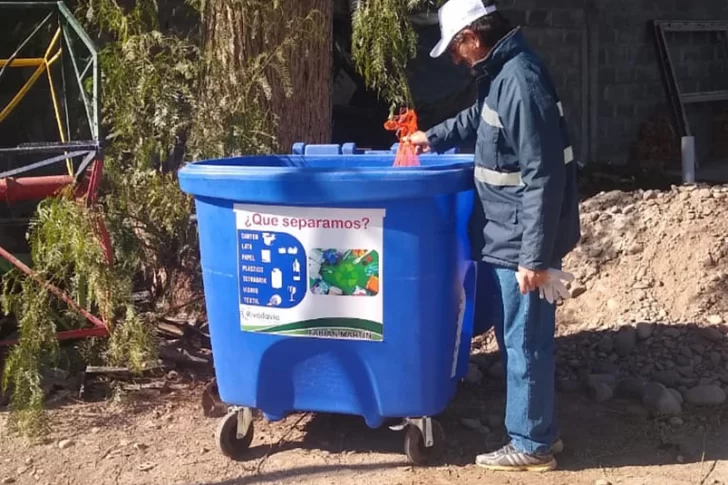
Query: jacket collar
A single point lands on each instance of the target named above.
(506, 49)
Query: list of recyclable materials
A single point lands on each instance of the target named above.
(270, 270)
(311, 272)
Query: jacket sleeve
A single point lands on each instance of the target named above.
(532, 123)
(455, 131)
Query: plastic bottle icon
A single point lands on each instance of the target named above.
(276, 279)
(296, 270)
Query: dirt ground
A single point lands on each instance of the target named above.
(153, 439)
(650, 304)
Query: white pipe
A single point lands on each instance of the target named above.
(688, 159)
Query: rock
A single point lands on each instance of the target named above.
(691, 449)
(606, 344)
(568, 385)
(672, 332)
(139, 446)
(700, 349)
(600, 392)
(496, 370)
(145, 467)
(483, 361)
(644, 330)
(602, 481)
(712, 334)
(659, 401)
(686, 370)
(65, 444)
(605, 367)
(715, 358)
(677, 395)
(668, 378)
(474, 376)
(7, 480)
(625, 341)
(683, 361)
(595, 379)
(630, 387)
(715, 319)
(676, 421)
(706, 396)
(475, 425)
(494, 421)
(635, 248)
(21, 470)
(577, 289)
(637, 411)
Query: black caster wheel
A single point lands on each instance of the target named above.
(229, 442)
(415, 449)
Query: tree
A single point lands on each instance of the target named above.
(287, 47)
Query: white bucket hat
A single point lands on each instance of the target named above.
(454, 16)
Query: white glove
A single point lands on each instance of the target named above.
(554, 289)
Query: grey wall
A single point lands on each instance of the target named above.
(602, 56)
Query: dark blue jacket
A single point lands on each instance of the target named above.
(524, 163)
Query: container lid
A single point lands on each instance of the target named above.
(325, 179)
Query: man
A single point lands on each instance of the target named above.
(526, 180)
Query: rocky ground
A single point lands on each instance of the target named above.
(642, 374)
(646, 322)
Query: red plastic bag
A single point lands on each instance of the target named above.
(404, 125)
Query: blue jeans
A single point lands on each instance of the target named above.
(524, 327)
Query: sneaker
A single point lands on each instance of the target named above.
(510, 459)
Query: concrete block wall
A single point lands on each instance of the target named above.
(630, 87)
(555, 29)
(603, 60)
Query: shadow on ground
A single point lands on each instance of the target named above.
(616, 433)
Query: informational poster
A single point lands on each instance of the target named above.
(311, 272)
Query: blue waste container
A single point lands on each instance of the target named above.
(335, 282)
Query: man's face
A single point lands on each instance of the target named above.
(467, 49)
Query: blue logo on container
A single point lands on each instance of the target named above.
(272, 269)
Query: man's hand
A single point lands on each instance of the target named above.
(420, 141)
(530, 280)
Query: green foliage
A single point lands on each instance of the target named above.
(65, 252)
(133, 343)
(166, 97)
(384, 42)
(37, 349)
(149, 87)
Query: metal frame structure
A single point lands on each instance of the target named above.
(677, 99)
(83, 158)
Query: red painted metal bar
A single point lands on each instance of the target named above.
(97, 170)
(32, 188)
(69, 335)
(95, 321)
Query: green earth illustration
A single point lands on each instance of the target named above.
(355, 272)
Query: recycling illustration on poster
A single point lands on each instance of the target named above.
(311, 272)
